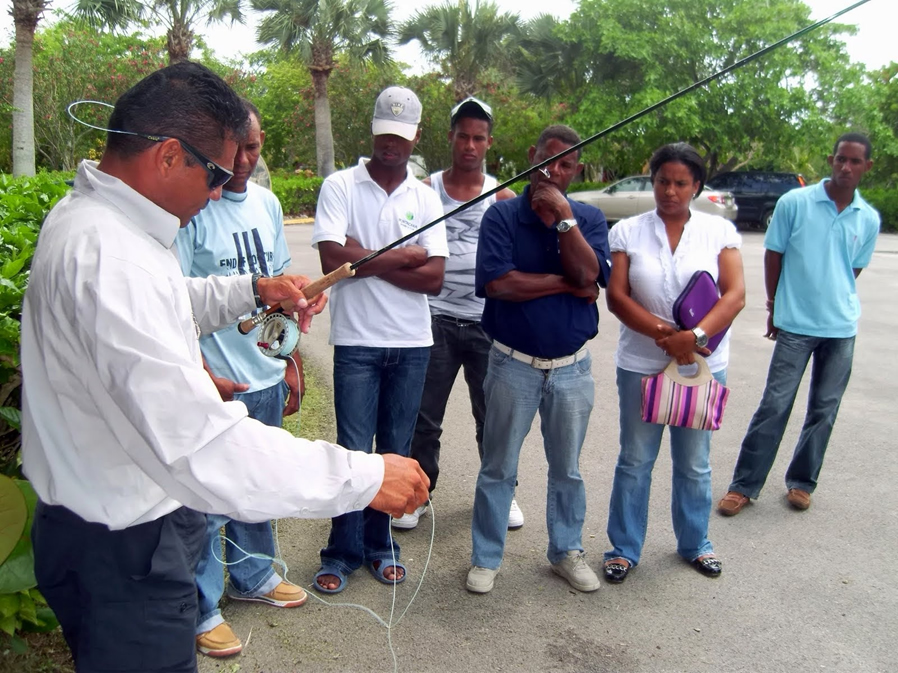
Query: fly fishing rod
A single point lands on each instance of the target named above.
(347, 270)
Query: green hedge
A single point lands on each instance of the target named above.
(518, 187)
(24, 202)
(298, 194)
(886, 202)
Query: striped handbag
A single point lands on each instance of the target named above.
(669, 398)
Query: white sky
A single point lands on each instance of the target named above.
(874, 44)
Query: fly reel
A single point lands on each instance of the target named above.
(278, 336)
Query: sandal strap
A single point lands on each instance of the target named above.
(710, 562)
(616, 563)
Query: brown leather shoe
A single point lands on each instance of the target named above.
(219, 642)
(284, 595)
(732, 503)
(798, 499)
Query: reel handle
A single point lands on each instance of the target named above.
(310, 291)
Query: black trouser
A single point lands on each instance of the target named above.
(456, 344)
(126, 599)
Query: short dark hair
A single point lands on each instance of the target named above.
(859, 138)
(186, 101)
(251, 109)
(471, 111)
(565, 134)
(683, 153)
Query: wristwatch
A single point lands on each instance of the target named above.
(566, 225)
(256, 277)
(701, 339)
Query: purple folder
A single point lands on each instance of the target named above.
(694, 302)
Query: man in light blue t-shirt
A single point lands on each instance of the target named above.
(820, 239)
(242, 233)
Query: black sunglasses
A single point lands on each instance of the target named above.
(217, 175)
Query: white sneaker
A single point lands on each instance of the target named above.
(515, 516)
(409, 521)
(480, 580)
(576, 571)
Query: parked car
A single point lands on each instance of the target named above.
(756, 193)
(634, 195)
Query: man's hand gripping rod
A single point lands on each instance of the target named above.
(310, 291)
(347, 270)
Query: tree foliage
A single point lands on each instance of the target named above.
(872, 107)
(317, 32)
(636, 52)
(179, 18)
(462, 40)
(74, 63)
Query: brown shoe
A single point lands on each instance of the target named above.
(284, 595)
(798, 499)
(732, 503)
(219, 642)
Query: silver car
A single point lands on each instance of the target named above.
(634, 195)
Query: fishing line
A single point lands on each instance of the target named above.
(389, 625)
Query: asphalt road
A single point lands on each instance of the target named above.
(800, 591)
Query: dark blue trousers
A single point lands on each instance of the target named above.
(126, 599)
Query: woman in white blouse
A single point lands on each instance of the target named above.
(653, 257)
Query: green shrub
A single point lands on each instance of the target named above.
(22, 608)
(24, 202)
(886, 202)
(298, 194)
(518, 187)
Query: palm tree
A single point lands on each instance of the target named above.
(462, 40)
(177, 16)
(317, 30)
(25, 14)
(544, 63)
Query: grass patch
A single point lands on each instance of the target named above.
(316, 419)
(46, 653)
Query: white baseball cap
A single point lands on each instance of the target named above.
(397, 111)
(471, 102)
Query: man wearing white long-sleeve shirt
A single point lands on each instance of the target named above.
(125, 437)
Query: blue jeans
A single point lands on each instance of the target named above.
(456, 344)
(515, 391)
(830, 372)
(377, 392)
(640, 442)
(251, 576)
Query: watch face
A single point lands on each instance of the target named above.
(701, 339)
(565, 225)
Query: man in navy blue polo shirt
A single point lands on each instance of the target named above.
(540, 261)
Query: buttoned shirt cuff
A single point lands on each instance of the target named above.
(367, 477)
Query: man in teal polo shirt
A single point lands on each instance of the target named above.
(820, 239)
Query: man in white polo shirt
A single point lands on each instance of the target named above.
(380, 322)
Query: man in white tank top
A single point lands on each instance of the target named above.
(458, 340)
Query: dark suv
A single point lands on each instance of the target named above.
(756, 192)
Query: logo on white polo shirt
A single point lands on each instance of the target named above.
(408, 222)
